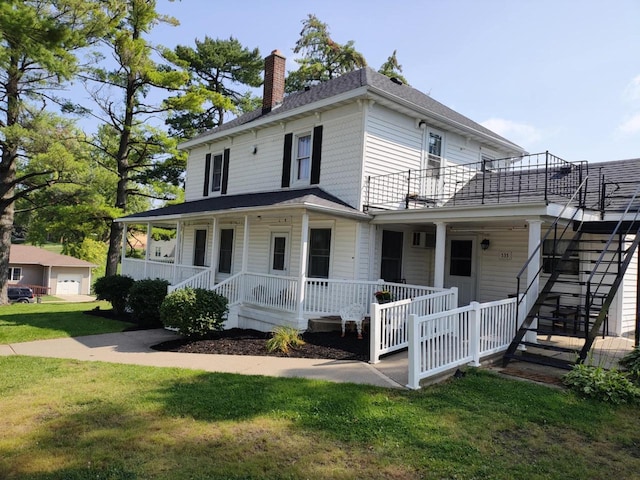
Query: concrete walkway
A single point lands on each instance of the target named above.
(134, 348)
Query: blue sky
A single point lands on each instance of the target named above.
(557, 75)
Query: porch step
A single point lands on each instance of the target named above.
(540, 360)
(333, 324)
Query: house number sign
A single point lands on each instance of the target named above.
(505, 255)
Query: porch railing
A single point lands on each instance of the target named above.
(141, 269)
(442, 341)
(199, 280)
(270, 291)
(539, 176)
(389, 332)
(328, 296)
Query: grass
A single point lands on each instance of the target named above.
(73, 420)
(23, 322)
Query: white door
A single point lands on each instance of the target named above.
(461, 268)
(68, 284)
(279, 255)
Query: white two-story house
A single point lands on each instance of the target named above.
(362, 181)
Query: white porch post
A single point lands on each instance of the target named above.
(213, 263)
(245, 245)
(178, 256)
(302, 274)
(147, 254)
(439, 266)
(533, 279)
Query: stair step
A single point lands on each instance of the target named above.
(553, 348)
(540, 360)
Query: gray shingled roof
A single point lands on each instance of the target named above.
(364, 77)
(307, 197)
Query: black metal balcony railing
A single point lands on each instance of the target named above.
(537, 177)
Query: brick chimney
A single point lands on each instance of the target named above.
(273, 81)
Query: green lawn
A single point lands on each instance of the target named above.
(72, 420)
(23, 322)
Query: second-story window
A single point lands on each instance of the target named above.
(303, 158)
(216, 173)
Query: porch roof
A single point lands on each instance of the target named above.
(312, 198)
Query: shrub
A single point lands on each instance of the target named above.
(145, 298)
(195, 312)
(605, 385)
(115, 290)
(631, 361)
(283, 339)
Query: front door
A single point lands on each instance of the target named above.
(391, 267)
(279, 258)
(461, 268)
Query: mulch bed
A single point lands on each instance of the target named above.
(236, 341)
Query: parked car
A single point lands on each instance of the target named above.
(20, 295)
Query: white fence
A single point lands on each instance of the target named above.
(389, 331)
(175, 274)
(271, 291)
(441, 341)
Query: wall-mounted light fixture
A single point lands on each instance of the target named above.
(254, 149)
(422, 124)
(484, 244)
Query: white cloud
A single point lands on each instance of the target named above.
(631, 125)
(632, 90)
(520, 133)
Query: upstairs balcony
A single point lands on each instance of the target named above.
(531, 178)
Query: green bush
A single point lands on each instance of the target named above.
(145, 298)
(631, 361)
(605, 385)
(115, 290)
(195, 312)
(283, 339)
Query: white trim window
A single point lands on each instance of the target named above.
(15, 273)
(216, 173)
(225, 253)
(319, 252)
(302, 156)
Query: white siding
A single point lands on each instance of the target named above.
(262, 171)
(629, 292)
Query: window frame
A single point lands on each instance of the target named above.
(12, 274)
(221, 250)
(551, 258)
(297, 157)
(216, 176)
(315, 256)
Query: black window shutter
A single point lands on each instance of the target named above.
(286, 160)
(316, 153)
(225, 171)
(207, 174)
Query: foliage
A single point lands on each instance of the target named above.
(631, 361)
(383, 296)
(38, 41)
(283, 339)
(115, 290)
(321, 57)
(218, 68)
(605, 385)
(41, 321)
(195, 312)
(145, 298)
(392, 69)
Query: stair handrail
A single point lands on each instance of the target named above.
(545, 236)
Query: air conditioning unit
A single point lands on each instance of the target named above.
(423, 240)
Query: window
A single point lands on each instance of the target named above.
(216, 173)
(552, 252)
(391, 265)
(319, 252)
(200, 247)
(226, 250)
(158, 251)
(15, 273)
(461, 258)
(303, 157)
(278, 262)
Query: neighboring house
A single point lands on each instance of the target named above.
(60, 274)
(292, 209)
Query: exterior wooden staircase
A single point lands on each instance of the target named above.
(575, 303)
